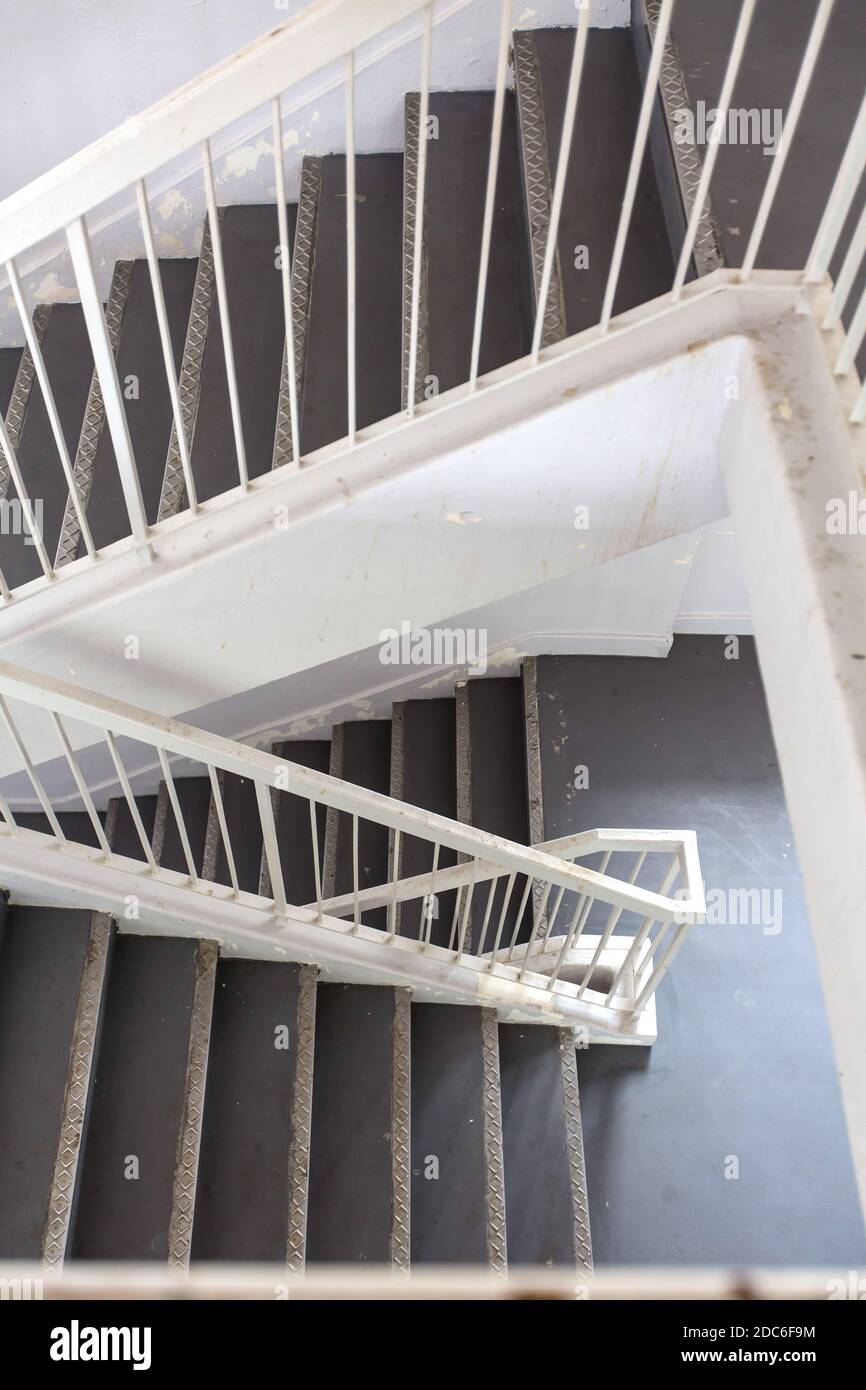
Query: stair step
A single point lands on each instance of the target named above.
(605, 124)
(76, 825)
(245, 834)
(120, 829)
(457, 1205)
(249, 237)
(10, 361)
(360, 753)
(69, 364)
(42, 962)
(378, 236)
(149, 413)
(492, 742)
(294, 835)
(538, 1119)
(194, 795)
(456, 179)
(424, 773)
(127, 1172)
(242, 1197)
(351, 1173)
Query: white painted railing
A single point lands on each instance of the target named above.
(523, 918)
(325, 33)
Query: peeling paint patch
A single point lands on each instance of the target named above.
(463, 518)
(243, 161)
(174, 201)
(50, 291)
(786, 410)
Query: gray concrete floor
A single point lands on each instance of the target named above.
(743, 1068)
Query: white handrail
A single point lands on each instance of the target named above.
(487, 858)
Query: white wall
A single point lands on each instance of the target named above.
(71, 72)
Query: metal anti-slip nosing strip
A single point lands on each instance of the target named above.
(396, 790)
(173, 493)
(411, 148)
(19, 400)
(94, 418)
(301, 1118)
(533, 771)
(537, 184)
(301, 286)
(189, 1136)
(574, 1147)
(497, 1246)
(76, 1099)
(708, 255)
(332, 821)
(401, 1095)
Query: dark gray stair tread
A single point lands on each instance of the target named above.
(150, 416)
(242, 1194)
(703, 32)
(10, 359)
(367, 763)
(69, 364)
(194, 795)
(497, 742)
(245, 833)
(538, 1202)
(604, 130)
(137, 1103)
(350, 1194)
(293, 822)
(378, 238)
(454, 213)
(429, 781)
(43, 953)
(250, 237)
(449, 1214)
(76, 825)
(124, 837)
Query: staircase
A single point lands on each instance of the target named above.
(177, 1102)
(457, 157)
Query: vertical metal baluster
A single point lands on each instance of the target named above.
(631, 955)
(520, 912)
(537, 919)
(509, 888)
(721, 120)
(286, 277)
(467, 911)
(839, 202)
(571, 935)
(130, 800)
(272, 848)
(80, 784)
(5, 591)
(551, 921)
(314, 831)
(7, 814)
(49, 402)
(561, 172)
(355, 874)
(106, 372)
(223, 825)
(661, 968)
(780, 158)
(490, 195)
(178, 816)
(33, 775)
(418, 248)
(225, 321)
(490, 896)
(351, 262)
(165, 343)
(637, 158)
(429, 901)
